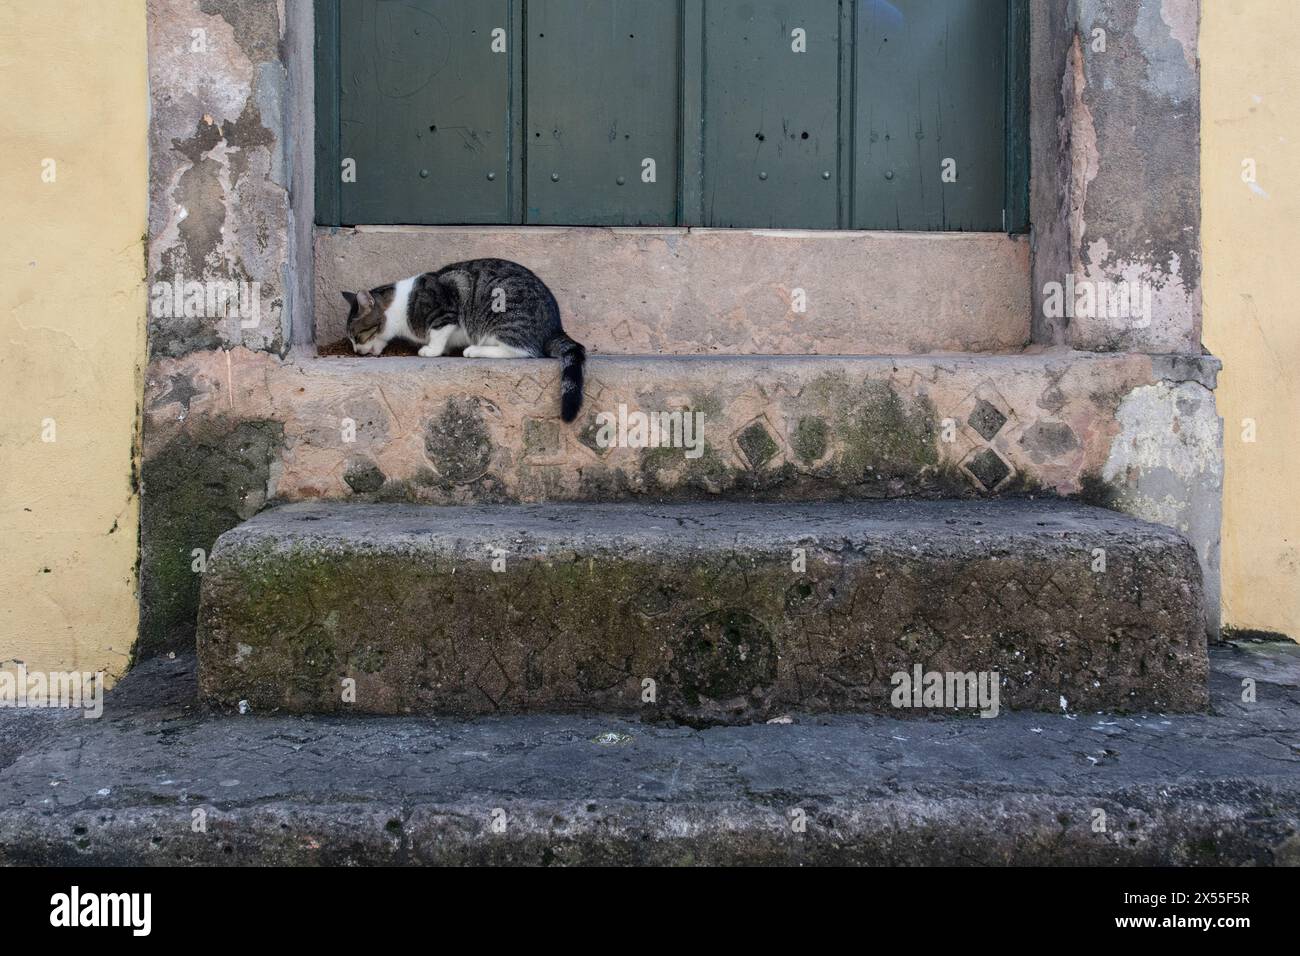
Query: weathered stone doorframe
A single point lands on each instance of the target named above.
(231, 402)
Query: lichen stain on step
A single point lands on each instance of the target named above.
(512, 609)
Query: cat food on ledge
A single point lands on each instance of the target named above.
(343, 349)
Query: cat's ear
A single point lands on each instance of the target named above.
(361, 302)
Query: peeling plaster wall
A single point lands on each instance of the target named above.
(72, 270)
(1115, 190)
(1115, 195)
(1049, 161)
(219, 170)
(1166, 465)
(224, 160)
(1252, 242)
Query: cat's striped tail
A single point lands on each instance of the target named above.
(572, 357)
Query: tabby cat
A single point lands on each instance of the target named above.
(491, 308)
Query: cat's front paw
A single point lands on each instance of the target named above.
(429, 351)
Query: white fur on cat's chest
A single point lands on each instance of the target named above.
(395, 324)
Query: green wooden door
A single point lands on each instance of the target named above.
(424, 112)
(771, 96)
(930, 136)
(602, 108)
(822, 114)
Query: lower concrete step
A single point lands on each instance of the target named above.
(702, 613)
(539, 789)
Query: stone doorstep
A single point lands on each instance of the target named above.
(1075, 789)
(702, 613)
(461, 431)
(710, 291)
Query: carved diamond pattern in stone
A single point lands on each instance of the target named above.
(529, 389)
(592, 389)
(587, 438)
(903, 380)
(542, 438)
(757, 444)
(986, 419)
(493, 681)
(622, 333)
(782, 390)
(988, 468)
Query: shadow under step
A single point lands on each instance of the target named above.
(702, 613)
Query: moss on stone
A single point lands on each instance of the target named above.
(196, 488)
(457, 441)
(1098, 491)
(1024, 485)
(601, 483)
(362, 475)
(880, 442)
(722, 631)
(811, 437)
(538, 482)
(669, 470)
(541, 436)
(710, 403)
(397, 490)
(757, 445)
(881, 436)
(725, 655)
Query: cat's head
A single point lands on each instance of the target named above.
(366, 315)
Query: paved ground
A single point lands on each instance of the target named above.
(160, 780)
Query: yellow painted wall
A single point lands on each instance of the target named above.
(75, 91)
(1251, 111)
